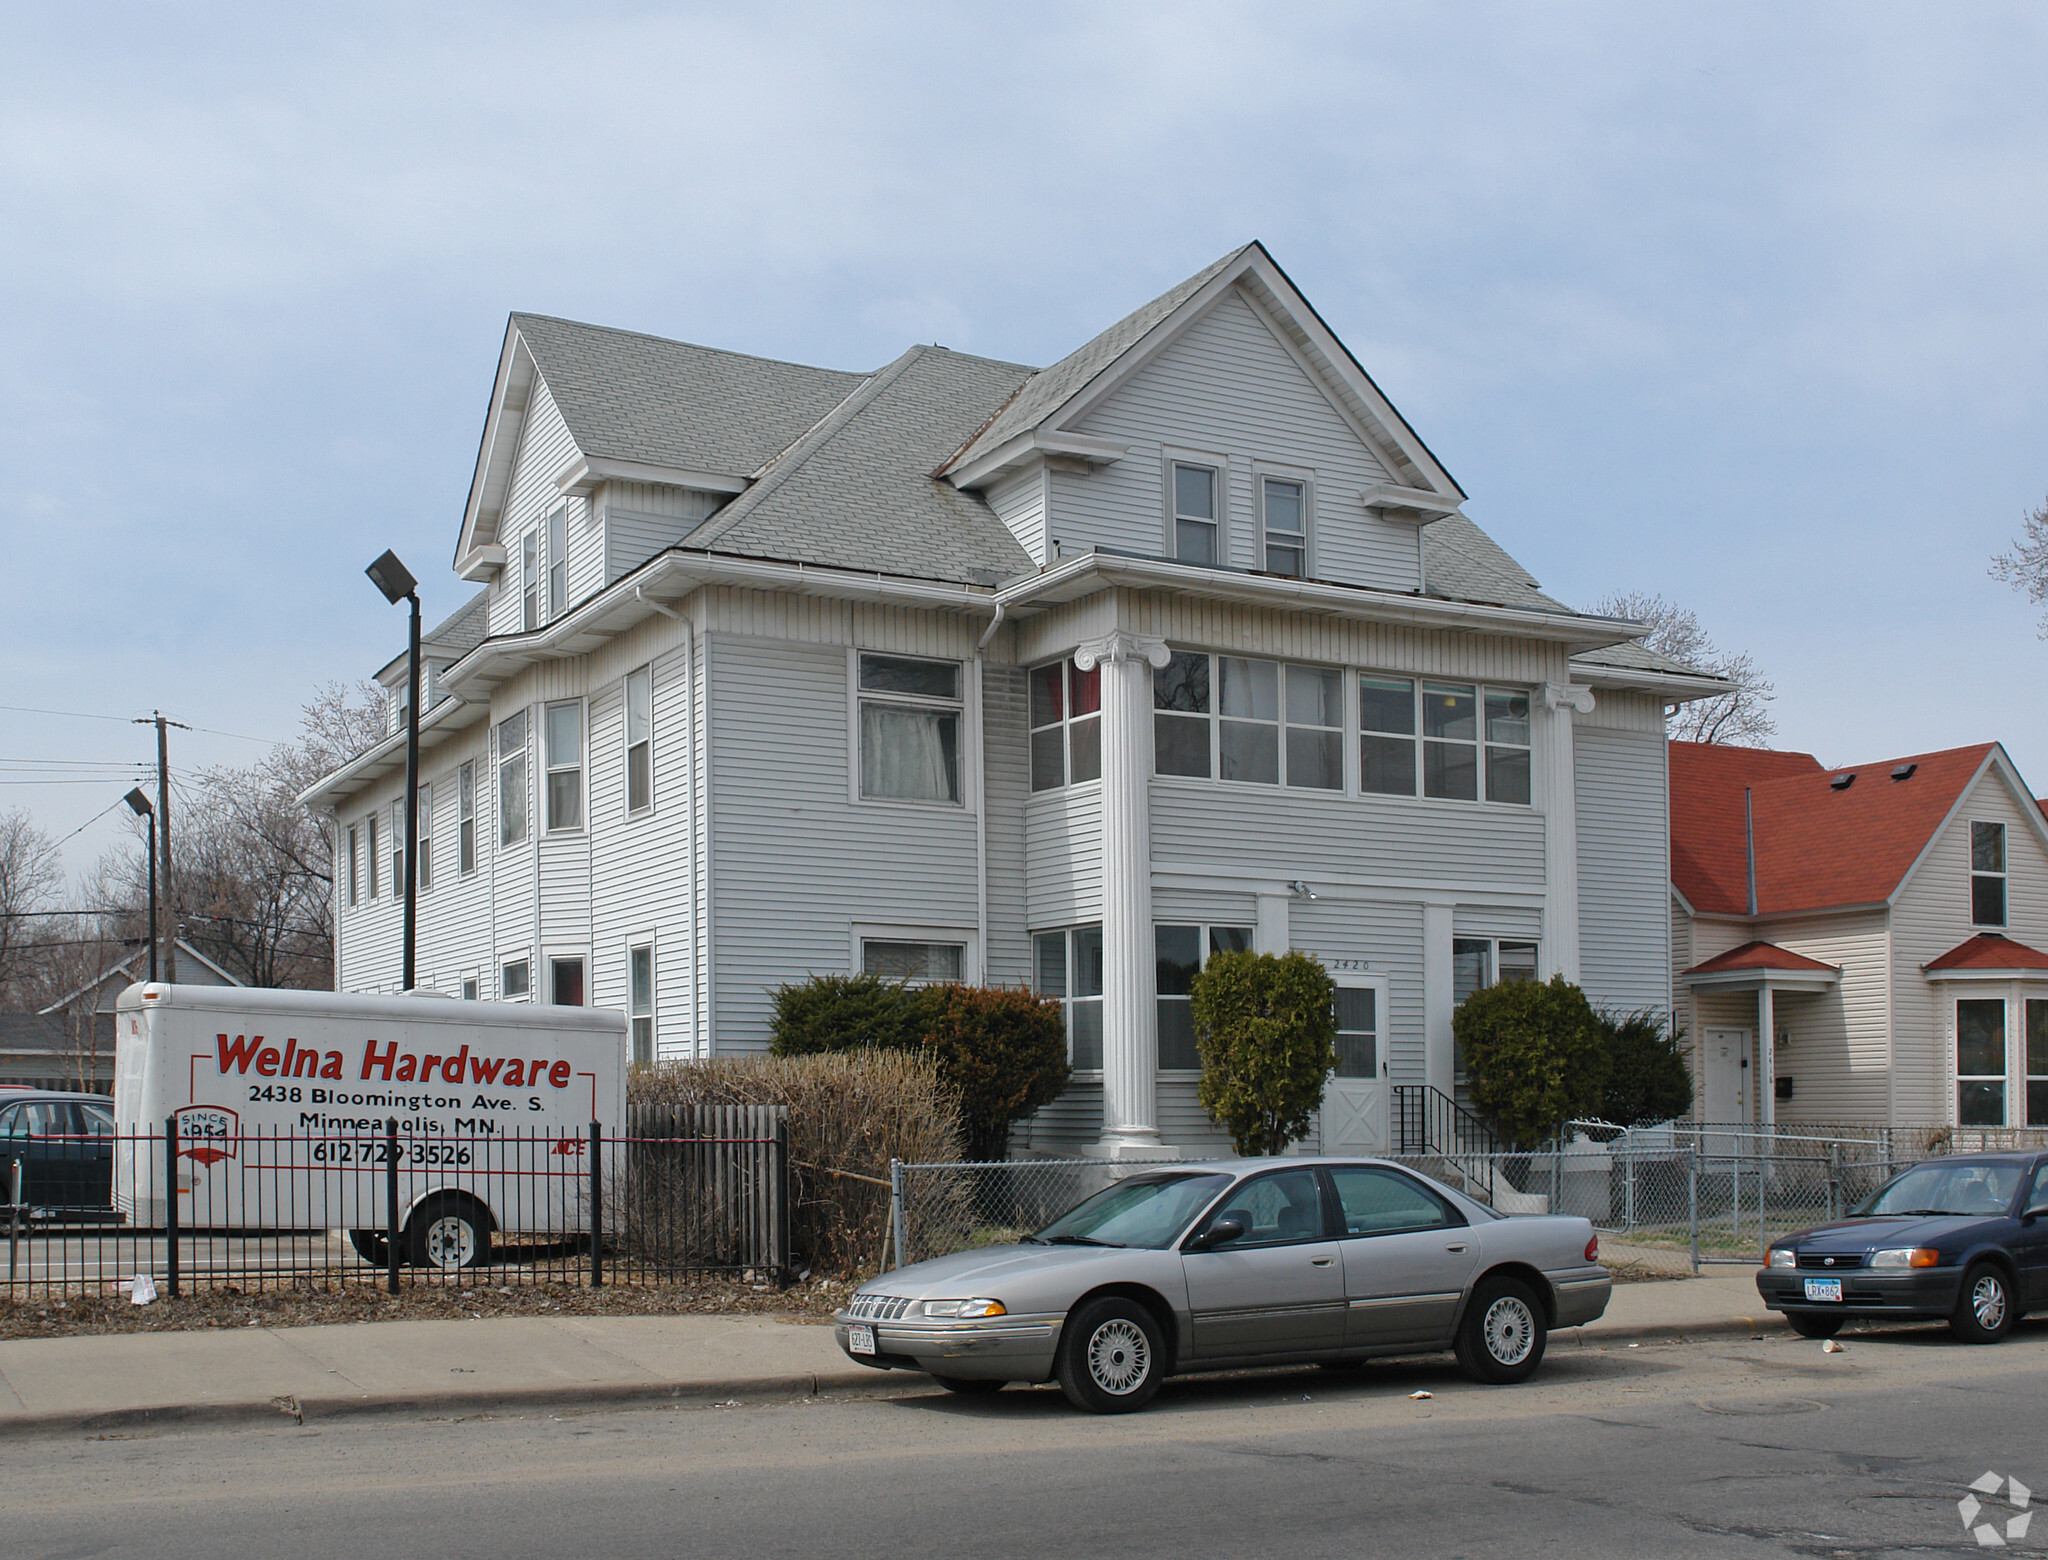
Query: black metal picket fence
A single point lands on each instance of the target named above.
(197, 1203)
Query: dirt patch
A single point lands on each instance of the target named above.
(74, 1315)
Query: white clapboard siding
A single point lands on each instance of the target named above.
(1266, 832)
(640, 519)
(1063, 856)
(587, 562)
(1183, 1122)
(545, 447)
(1387, 938)
(797, 863)
(1063, 1129)
(1836, 1051)
(1515, 922)
(1204, 907)
(1228, 388)
(1006, 762)
(1930, 916)
(1624, 874)
(1019, 501)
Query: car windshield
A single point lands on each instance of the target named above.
(1953, 1188)
(1148, 1210)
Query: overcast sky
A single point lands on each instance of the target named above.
(1739, 303)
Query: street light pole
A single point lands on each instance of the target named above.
(396, 581)
(138, 803)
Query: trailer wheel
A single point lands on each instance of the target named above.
(448, 1233)
(371, 1246)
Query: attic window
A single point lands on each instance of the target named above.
(1842, 782)
(1904, 771)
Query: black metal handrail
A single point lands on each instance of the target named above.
(1429, 1121)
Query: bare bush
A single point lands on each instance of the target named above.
(849, 1114)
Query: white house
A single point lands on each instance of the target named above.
(959, 669)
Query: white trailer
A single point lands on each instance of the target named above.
(284, 1104)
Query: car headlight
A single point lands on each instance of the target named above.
(1783, 1256)
(965, 1308)
(1906, 1257)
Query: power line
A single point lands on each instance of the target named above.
(24, 709)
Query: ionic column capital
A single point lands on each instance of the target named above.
(1558, 696)
(1120, 644)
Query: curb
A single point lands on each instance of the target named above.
(299, 1411)
(1665, 1332)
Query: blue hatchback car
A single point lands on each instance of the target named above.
(1963, 1240)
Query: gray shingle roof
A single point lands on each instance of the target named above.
(627, 396)
(857, 491)
(463, 629)
(30, 1032)
(1460, 562)
(1634, 658)
(1050, 388)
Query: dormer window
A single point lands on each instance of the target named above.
(1283, 510)
(529, 578)
(1194, 513)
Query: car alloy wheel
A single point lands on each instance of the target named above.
(1510, 1330)
(1987, 1302)
(1984, 1311)
(1119, 1357)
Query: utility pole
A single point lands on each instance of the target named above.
(163, 823)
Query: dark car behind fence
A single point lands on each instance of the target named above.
(680, 1193)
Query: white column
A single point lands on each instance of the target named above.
(1130, 1037)
(1560, 828)
(1766, 1055)
(1439, 1061)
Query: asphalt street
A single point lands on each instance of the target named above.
(1732, 1448)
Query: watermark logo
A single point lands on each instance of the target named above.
(1988, 1534)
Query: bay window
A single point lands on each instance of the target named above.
(354, 862)
(910, 718)
(1066, 725)
(370, 827)
(426, 837)
(1067, 967)
(398, 850)
(1980, 1062)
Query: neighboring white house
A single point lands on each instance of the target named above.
(963, 670)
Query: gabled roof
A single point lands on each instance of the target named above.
(668, 403)
(1818, 847)
(129, 964)
(1759, 956)
(468, 626)
(858, 487)
(1988, 951)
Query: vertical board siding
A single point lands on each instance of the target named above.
(1228, 388)
(1930, 916)
(1624, 873)
(1006, 764)
(797, 863)
(545, 447)
(1063, 856)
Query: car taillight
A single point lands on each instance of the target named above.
(1593, 1249)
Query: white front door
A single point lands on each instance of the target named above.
(1725, 1053)
(1355, 1101)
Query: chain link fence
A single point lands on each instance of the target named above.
(1666, 1201)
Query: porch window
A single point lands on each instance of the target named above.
(1987, 874)
(2037, 1062)
(1067, 967)
(1066, 725)
(1182, 952)
(1386, 742)
(1980, 1062)
(910, 733)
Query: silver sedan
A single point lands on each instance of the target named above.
(1224, 1266)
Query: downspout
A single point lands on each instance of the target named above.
(981, 801)
(699, 1044)
(1749, 844)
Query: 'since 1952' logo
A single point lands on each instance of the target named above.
(208, 1133)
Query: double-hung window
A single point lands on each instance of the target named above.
(1066, 725)
(640, 1000)
(1182, 951)
(398, 850)
(1283, 512)
(1486, 961)
(1196, 527)
(1068, 969)
(1465, 731)
(426, 837)
(1272, 723)
(2037, 1062)
(910, 719)
(1987, 874)
(563, 734)
(465, 819)
(370, 826)
(1980, 1062)
(640, 740)
(354, 865)
(515, 979)
(512, 779)
(529, 579)
(558, 563)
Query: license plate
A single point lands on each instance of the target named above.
(1824, 1289)
(861, 1340)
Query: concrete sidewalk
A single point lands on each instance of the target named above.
(128, 1381)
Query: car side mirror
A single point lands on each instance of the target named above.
(2039, 1210)
(1221, 1233)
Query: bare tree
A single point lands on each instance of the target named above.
(1738, 718)
(2026, 566)
(31, 871)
